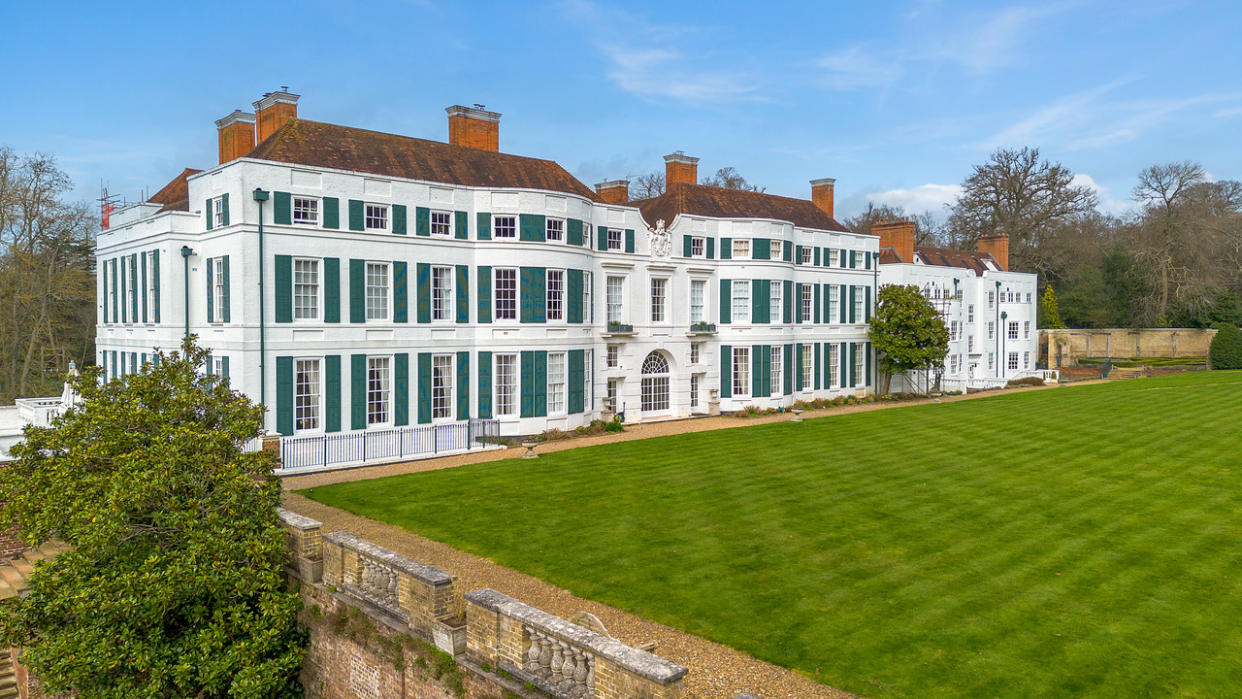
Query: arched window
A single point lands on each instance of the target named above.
(655, 383)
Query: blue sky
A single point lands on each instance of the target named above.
(894, 99)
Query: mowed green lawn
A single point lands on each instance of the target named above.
(1082, 540)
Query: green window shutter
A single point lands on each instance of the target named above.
(357, 291)
(853, 358)
(767, 370)
(155, 281)
(400, 293)
(483, 225)
(284, 289)
(485, 385)
(573, 232)
(866, 305)
(816, 257)
(853, 296)
(103, 293)
(601, 238)
(853, 259)
(355, 215)
(576, 377)
(422, 221)
(761, 302)
(226, 312)
(331, 290)
(144, 287)
(528, 383)
(331, 212)
(685, 245)
(463, 293)
(226, 222)
(401, 389)
(797, 367)
(398, 219)
(867, 349)
(841, 304)
(573, 287)
(424, 388)
(629, 240)
(282, 208)
(797, 255)
(541, 384)
(756, 371)
(726, 248)
(358, 392)
(483, 308)
(461, 230)
(463, 385)
(711, 248)
(817, 295)
(532, 228)
(788, 369)
(726, 371)
(534, 294)
(762, 249)
(788, 299)
(787, 252)
(726, 301)
(818, 348)
(207, 213)
(284, 395)
(423, 271)
(332, 393)
(211, 300)
(133, 275)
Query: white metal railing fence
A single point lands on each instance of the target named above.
(349, 448)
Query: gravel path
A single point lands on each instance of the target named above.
(716, 671)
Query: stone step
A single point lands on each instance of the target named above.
(33, 556)
(9, 575)
(22, 567)
(6, 591)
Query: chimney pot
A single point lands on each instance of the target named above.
(613, 191)
(822, 194)
(273, 111)
(680, 168)
(474, 128)
(236, 135)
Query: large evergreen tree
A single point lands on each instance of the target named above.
(172, 586)
(907, 332)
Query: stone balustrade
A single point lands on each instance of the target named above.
(304, 542)
(560, 658)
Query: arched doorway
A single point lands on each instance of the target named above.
(655, 393)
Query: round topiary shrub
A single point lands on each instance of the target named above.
(1226, 348)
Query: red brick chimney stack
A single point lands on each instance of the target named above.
(614, 191)
(680, 168)
(821, 194)
(474, 128)
(273, 111)
(899, 235)
(998, 245)
(236, 132)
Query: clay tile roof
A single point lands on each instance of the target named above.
(718, 202)
(175, 196)
(303, 142)
(889, 256)
(948, 257)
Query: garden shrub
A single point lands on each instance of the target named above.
(1226, 348)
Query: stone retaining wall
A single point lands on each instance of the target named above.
(1064, 347)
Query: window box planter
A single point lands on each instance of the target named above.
(615, 328)
(702, 329)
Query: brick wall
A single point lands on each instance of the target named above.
(1064, 347)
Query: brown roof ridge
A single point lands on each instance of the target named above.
(175, 196)
(320, 144)
(722, 202)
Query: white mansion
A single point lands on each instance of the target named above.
(355, 281)
(989, 311)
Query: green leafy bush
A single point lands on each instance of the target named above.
(1226, 348)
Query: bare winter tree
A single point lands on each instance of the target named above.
(927, 230)
(729, 178)
(47, 288)
(647, 186)
(1019, 193)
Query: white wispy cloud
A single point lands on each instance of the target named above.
(1108, 204)
(925, 197)
(644, 65)
(858, 67)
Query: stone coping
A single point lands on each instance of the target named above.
(637, 661)
(296, 520)
(425, 573)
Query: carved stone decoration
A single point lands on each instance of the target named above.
(660, 240)
(588, 620)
